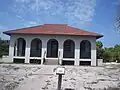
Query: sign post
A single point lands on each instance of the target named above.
(59, 81)
(60, 71)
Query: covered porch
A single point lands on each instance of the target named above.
(53, 50)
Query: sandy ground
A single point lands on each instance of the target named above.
(37, 77)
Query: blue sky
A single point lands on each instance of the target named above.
(92, 15)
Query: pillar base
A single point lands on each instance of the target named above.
(76, 62)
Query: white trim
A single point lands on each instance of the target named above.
(19, 57)
(73, 59)
(52, 58)
(35, 58)
(84, 59)
(68, 59)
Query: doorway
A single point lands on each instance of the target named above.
(52, 48)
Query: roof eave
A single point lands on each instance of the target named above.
(100, 36)
(7, 33)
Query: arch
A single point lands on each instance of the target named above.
(36, 48)
(19, 47)
(69, 49)
(52, 48)
(85, 49)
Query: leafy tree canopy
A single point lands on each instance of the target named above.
(108, 54)
(4, 47)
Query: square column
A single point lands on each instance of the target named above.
(44, 50)
(60, 52)
(11, 49)
(93, 53)
(27, 51)
(77, 53)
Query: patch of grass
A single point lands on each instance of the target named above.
(16, 68)
(72, 79)
(102, 80)
(94, 82)
(7, 63)
(112, 88)
(10, 67)
(69, 89)
(21, 79)
(11, 86)
(44, 88)
(88, 88)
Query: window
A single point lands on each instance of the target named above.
(69, 49)
(35, 50)
(85, 49)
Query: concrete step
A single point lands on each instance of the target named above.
(51, 62)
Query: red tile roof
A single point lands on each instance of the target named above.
(53, 29)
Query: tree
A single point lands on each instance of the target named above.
(100, 50)
(112, 54)
(107, 55)
(117, 52)
(99, 44)
(4, 47)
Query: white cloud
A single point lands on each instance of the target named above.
(71, 11)
(23, 1)
(30, 23)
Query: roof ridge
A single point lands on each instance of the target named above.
(56, 24)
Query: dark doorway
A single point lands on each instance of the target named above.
(19, 47)
(69, 49)
(36, 48)
(52, 48)
(85, 49)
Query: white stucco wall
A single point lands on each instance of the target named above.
(5, 59)
(60, 39)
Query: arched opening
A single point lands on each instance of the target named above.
(36, 46)
(85, 49)
(52, 48)
(69, 49)
(19, 47)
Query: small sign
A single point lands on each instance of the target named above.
(60, 70)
